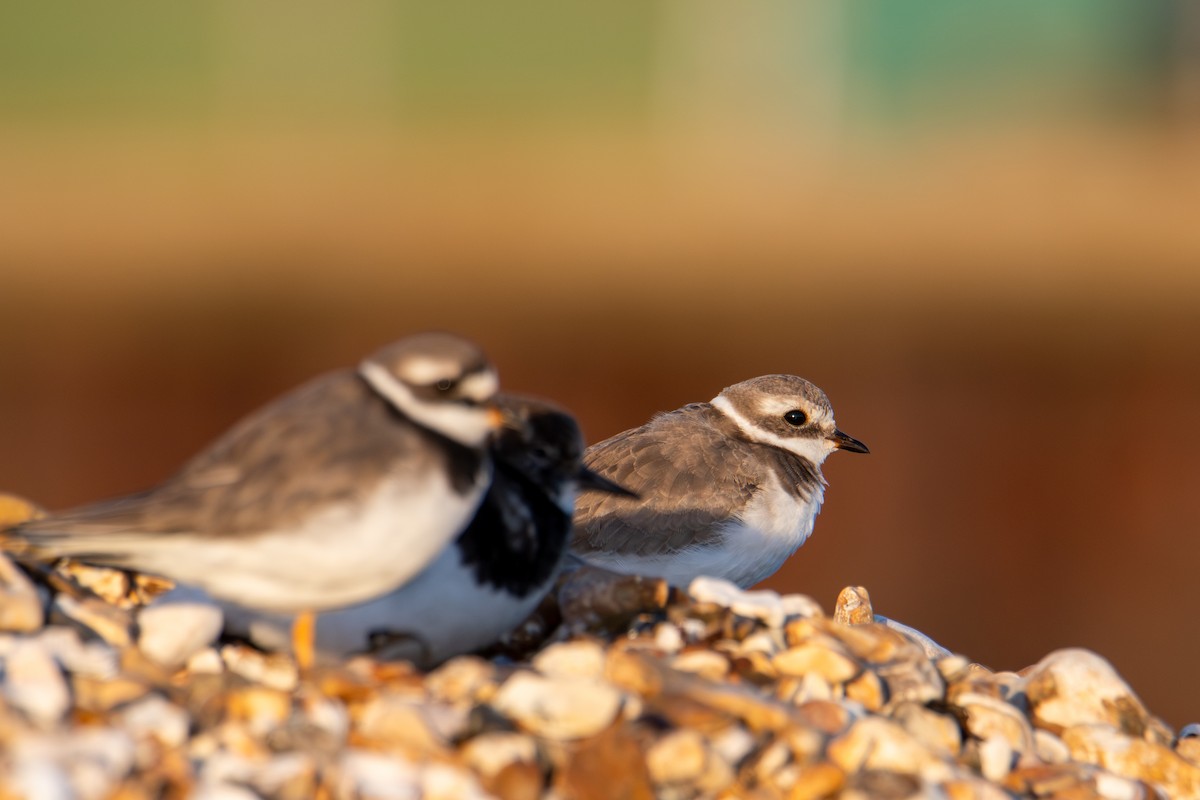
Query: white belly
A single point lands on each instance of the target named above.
(752, 547)
(441, 613)
(344, 555)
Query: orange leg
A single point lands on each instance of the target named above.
(304, 635)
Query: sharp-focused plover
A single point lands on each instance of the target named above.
(728, 488)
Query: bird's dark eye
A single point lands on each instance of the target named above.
(795, 417)
(444, 385)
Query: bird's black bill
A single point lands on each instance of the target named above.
(848, 443)
(587, 479)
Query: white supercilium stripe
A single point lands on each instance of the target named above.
(467, 425)
(815, 449)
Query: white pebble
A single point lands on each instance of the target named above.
(762, 605)
(995, 758)
(800, 605)
(489, 753)
(34, 683)
(206, 662)
(110, 749)
(94, 659)
(42, 779)
(329, 716)
(558, 708)
(377, 776)
(272, 670)
(733, 743)
(667, 638)
(1114, 787)
(1050, 748)
(223, 791)
(91, 760)
(269, 778)
(171, 633)
(443, 782)
(932, 649)
(578, 659)
(679, 757)
(20, 605)
(1078, 687)
(155, 717)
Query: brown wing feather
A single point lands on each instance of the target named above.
(328, 440)
(677, 505)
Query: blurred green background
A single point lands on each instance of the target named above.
(974, 225)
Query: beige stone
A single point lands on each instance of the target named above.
(103, 694)
(1050, 748)
(489, 753)
(825, 716)
(708, 663)
(273, 670)
(15, 509)
(34, 683)
(110, 623)
(260, 708)
(912, 680)
(576, 659)
(1133, 758)
(987, 717)
(816, 782)
(995, 757)
(465, 678)
(20, 606)
(832, 665)
(1077, 687)
(172, 633)
(1189, 749)
(765, 606)
(111, 585)
(558, 708)
(679, 757)
(874, 743)
(853, 607)
(399, 721)
(868, 690)
(972, 788)
(940, 733)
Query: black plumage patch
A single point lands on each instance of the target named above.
(518, 535)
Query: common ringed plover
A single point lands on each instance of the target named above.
(337, 492)
(496, 572)
(728, 488)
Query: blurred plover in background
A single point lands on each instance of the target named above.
(335, 493)
(495, 573)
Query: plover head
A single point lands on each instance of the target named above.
(440, 381)
(786, 412)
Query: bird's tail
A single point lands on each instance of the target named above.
(15, 510)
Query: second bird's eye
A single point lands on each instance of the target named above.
(795, 417)
(444, 385)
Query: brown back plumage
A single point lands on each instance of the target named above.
(328, 441)
(676, 507)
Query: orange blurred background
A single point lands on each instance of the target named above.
(975, 227)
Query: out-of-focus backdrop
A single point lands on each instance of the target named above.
(976, 226)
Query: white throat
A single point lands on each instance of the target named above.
(815, 450)
(467, 425)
